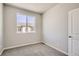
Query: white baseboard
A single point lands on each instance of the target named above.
(55, 48)
(1, 51)
(20, 45)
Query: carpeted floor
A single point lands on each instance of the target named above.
(33, 50)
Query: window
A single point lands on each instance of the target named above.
(25, 24)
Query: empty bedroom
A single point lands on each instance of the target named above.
(39, 29)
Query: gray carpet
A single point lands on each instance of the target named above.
(33, 50)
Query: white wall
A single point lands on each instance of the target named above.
(1, 28)
(55, 26)
(13, 39)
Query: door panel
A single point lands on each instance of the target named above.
(75, 48)
(75, 22)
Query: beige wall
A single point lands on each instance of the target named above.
(12, 38)
(1, 27)
(55, 26)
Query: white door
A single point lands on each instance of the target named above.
(73, 33)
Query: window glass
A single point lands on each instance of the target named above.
(25, 23)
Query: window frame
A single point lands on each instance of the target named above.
(26, 24)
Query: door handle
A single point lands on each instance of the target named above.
(70, 36)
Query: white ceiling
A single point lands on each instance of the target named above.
(36, 7)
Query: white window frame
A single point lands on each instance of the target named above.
(26, 24)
